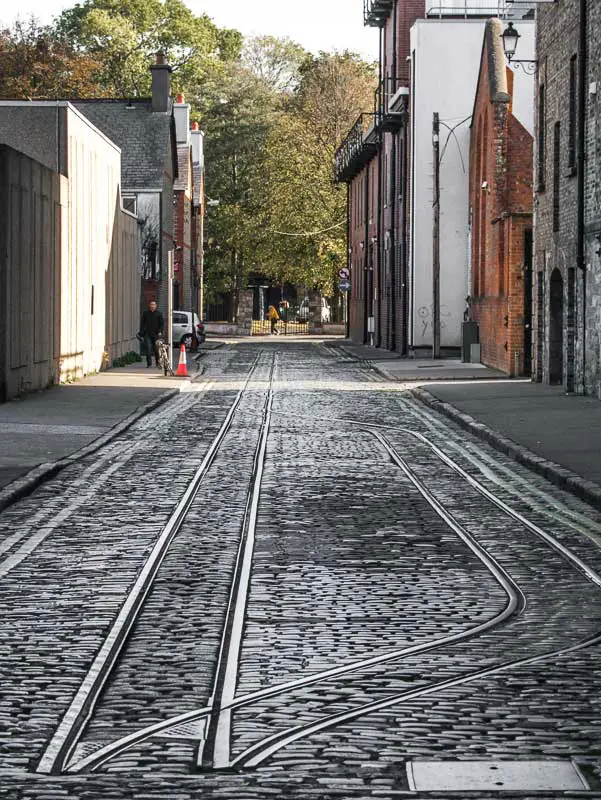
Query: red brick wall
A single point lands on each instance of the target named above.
(501, 213)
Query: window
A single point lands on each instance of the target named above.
(572, 116)
(556, 181)
(130, 204)
(542, 124)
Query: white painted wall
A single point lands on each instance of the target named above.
(446, 60)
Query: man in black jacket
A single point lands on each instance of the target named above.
(151, 328)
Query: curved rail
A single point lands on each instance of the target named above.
(249, 758)
(515, 604)
(255, 755)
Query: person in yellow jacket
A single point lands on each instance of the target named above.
(273, 317)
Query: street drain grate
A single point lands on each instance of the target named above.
(495, 776)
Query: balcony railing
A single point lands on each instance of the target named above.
(357, 149)
(375, 12)
(463, 9)
(390, 102)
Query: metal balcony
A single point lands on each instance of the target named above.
(359, 147)
(465, 9)
(376, 12)
(391, 103)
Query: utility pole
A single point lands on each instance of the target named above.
(168, 332)
(436, 239)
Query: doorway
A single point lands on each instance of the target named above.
(556, 328)
(528, 302)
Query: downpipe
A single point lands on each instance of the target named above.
(581, 251)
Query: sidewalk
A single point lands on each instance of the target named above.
(396, 368)
(554, 434)
(42, 432)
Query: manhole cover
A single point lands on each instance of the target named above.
(501, 776)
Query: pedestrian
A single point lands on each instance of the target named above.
(273, 317)
(151, 329)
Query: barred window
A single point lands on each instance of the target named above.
(542, 123)
(572, 111)
(556, 176)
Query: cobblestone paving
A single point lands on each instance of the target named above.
(350, 563)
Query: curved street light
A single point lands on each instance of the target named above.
(510, 38)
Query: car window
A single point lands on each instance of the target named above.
(180, 319)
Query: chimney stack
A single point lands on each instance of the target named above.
(160, 83)
(181, 112)
(197, 137)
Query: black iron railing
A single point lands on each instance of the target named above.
(376, 12)
(359, 145)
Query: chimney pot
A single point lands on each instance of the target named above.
(180, 98)
(195, 126)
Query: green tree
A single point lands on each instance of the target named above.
(240, 111)
(303, 211)
(277, 62)
(125, 34)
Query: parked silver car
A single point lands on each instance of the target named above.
(185, 327)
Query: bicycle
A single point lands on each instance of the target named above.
(163, 356)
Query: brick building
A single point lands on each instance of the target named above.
(567, 286)
(183, 283)
(501, 212)
(373, 162)
(387, 166)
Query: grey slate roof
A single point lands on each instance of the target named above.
(142, 135)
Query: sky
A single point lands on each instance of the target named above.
(315, 24)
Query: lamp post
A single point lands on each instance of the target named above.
(510, 37)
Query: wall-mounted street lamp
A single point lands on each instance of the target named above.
(510, 38)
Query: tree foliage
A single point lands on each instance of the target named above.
(303, 210)
(125, 35)
(277, 62)
(37, 64)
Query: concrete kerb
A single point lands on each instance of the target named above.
(555, 473)
(376, 366)
(20, 488)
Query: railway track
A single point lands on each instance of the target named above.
(61, 747)
(214, 749)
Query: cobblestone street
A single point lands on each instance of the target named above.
(295, 580)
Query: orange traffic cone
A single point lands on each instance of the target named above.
(182, 367)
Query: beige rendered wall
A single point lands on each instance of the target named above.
(89, 200)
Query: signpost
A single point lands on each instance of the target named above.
(344, 273)
(344, 285)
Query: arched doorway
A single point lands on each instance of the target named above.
(556, 328)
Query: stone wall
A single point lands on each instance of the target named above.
(572, 324)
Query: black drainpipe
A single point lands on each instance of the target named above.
(581, 252)
(366, 301)
(393, 171)
(348, 295)
(378, 248)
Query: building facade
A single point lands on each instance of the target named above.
(567, 260)
(373, 162)
(500, 206)
(88, 311)
(144, 130)
(429, 58)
